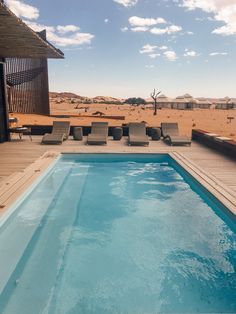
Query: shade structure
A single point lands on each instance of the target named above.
(19, 40)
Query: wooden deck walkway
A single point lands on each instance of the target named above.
(16, 155)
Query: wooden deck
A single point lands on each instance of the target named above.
(16, 155)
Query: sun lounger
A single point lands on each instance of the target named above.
(137, 134)
(170, 132)
(60, 133)
(99, 133)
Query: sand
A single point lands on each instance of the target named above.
(211, 120)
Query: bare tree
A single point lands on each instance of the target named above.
(154, 95)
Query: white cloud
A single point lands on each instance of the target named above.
(106, 20)
(167, 30)
(67, 29)
(124, 29)
(139, 24)
(163, 48)
(190, 53)
(54, 35)
(223, 10)
(212, 54)
(22, 9)
(154, 55)
(158, 31)
(37, 27)
(170, 55)
(127, 3)
(190, 33)
(205, 5)
(147, 49)
(139, 29)
(139, 21)
(74, 40)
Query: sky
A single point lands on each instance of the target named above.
(126, 48)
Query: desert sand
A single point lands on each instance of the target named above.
(211, 120)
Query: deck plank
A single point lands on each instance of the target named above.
(16, 155)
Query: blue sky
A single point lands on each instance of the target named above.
(125, 48)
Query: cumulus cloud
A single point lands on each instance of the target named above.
(124, 29)
(158, 31)
(54, 34)
(67, 29)
(151, 66)
(212, 54)
(139, 21)
(190, 53)
(154, 55)
(60, 35)
(170, 55)
(127, 3)
(73, 40)
(148, 49)
(140, 24)
(22, 9)
(167, 30)
(106, 20)
(163, 48)
(154, 51)
(139, 29)
(223, 10)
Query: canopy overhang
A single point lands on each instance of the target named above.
(17, 40)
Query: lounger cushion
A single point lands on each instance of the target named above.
(178, 140)
(99, 133)
(137, 134)
(53, 139)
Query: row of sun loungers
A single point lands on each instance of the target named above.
(99, 134)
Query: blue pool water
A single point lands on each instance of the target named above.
(118, 234)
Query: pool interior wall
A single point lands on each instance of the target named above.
(118, 233)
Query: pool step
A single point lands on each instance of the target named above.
(51, 246)
(17, 235)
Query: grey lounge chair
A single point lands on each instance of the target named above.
(99, 133)
(60, 133)
(170, 132)
(137, 134)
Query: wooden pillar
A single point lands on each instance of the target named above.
(4, 135)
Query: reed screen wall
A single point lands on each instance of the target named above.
(27, 84)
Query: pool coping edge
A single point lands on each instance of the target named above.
(218, 189)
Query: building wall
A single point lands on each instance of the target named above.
(27, 81)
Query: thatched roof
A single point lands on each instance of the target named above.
(203, 101)
(185, 99)
(164, 99)
(19, 40)
(225, 100)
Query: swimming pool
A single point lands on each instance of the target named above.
(118, 233)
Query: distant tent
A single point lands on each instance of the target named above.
(164, 101)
